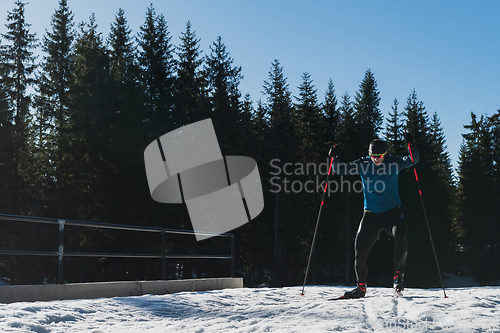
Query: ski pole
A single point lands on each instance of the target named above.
(427, 221)
(317, 221)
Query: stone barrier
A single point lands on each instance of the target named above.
(51, 292)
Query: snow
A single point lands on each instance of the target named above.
(474, 309)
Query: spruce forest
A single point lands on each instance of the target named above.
(74, 124)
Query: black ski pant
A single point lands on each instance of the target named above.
(370, 227)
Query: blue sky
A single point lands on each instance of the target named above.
(447, 51)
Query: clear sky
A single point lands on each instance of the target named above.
(448, 51)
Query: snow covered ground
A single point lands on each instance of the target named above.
(265, 310)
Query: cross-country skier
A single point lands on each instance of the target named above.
(382, 208)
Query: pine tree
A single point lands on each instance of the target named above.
(435, 193)
(442, 195)
(250, 131)
(91, 122)
(417, 119)
(495, 130)
(442, 167)
(394, 132)
(331, 113)
(477, 215)
(191, 87)
(248, 113)
(348, 138)
(53, 101)
(310, 130)
(158, 66)
(128, 113)
(23, 155)
(493, 265)
(255, 239)
(368, 115)
(128, 99)
(223, 84)
(6, 139)
(348, 209)
(122, 52)
(261, 127)
(280, 110)
(418, 125)
(309, 125)
(18, 66)
(6, 166)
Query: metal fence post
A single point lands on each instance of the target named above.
(233, 254)
(61, 252)
(163, 254)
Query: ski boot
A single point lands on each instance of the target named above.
(398, 284)
(357, 292)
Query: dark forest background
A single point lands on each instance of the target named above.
(74, 124)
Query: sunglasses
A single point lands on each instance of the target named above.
(377, 155)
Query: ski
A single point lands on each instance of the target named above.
(337, 298)
(343, 297)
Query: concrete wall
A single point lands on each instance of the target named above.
(50, 292)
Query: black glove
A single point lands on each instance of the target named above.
(333, 152)
(408, 138)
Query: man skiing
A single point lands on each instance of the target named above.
(382, 208)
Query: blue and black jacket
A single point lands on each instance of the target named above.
(380, 183)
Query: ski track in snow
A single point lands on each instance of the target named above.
(265, 310)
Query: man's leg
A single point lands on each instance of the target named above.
(399, 231)
(366, 237)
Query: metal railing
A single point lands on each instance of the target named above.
(162, 231)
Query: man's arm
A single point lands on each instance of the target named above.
(341, 168)
(351, 168)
